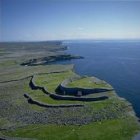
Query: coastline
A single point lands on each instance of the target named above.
(38, 69)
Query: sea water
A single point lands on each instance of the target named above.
(117, 62)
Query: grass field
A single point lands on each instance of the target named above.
(52, 81)
(87, 82)
(117, 129)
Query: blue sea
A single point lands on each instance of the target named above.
(117, 62)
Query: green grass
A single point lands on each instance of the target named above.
(117, 129)
(12, 72)
(42, 97)
(8, 63)
(52, 81)
(87, 82)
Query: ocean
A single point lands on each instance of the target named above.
(117, 62)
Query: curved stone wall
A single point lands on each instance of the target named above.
(72, 98)
(63, 89)
(62, 97)
(35, 87)
(32, 101)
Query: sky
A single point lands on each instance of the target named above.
(37, 20)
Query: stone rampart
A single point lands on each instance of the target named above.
(64, 97)
(32, 101)
(63, 88)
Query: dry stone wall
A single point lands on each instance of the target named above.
(63, 89)
(63, 97)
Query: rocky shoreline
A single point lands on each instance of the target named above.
(50, 59)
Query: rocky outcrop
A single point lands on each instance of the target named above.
(49, 59)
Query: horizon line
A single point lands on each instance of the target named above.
(76, 39)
